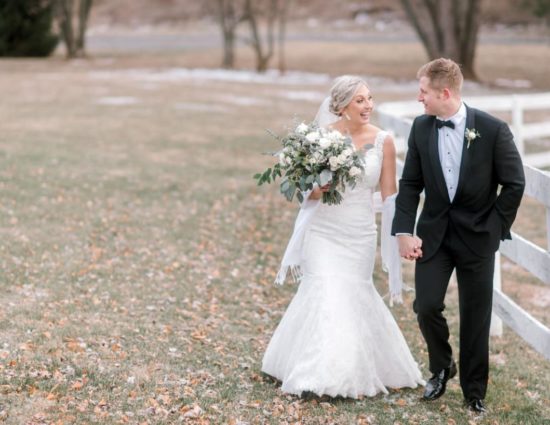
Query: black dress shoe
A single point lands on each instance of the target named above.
(475, 405)
(437, 384)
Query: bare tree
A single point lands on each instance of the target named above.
(284, 6)
(230, 14)
(269, 15)
(273, 14)
(447, 28)
(253, 14)
(73, 21)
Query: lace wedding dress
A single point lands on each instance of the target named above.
(337, 336)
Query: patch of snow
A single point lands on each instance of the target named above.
(380, 26)
(362, 18)
(117, 100)
(271, 76)
(243, 100)
(312, 96)
(312, 23)
(520, 84)
(199, 107)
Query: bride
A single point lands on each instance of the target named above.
(337, 337)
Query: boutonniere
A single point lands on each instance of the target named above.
(471, 134)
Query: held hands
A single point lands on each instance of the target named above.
(410, 247)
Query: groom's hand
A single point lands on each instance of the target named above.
(410, 247)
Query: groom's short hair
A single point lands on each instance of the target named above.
(442, 73)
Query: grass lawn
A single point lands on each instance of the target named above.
(137, 256)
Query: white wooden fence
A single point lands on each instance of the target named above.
(396, 116)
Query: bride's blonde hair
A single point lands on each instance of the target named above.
(342, 91)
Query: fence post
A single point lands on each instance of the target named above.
(496, 322)
(517, 123)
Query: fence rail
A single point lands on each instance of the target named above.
(395, 116)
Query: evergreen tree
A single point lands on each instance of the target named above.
(26, 28)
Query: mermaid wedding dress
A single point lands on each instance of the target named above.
(337, 336)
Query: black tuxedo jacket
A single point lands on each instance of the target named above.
(481, 214)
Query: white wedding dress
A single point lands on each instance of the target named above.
(337, 336)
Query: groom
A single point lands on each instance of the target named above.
(458, 156)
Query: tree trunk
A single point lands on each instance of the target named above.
(228, 61)
(229, 18)
(447, 28)
(283, 13)
(65, 8)
(74, 44)
(262, 58)
(469, 39)
(83, 15)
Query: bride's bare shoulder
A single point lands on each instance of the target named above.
(336, 126)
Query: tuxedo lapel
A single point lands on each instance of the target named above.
(465, 162)
(433, 149)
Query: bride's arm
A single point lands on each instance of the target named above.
(391, 261)
(387, 176)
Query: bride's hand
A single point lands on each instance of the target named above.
(410, 247)
(317, 192)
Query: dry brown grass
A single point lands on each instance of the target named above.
(137, 258)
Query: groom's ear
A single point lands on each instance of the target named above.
(446, 93)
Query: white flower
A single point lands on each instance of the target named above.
(324, 142)
(302, 128)
(338, 140)
(334, 135)
(312, 154)
(471, 134)
(314, 159)
(313, 136)
(354, 171)
(342, 158)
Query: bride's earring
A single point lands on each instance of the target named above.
(347, 116)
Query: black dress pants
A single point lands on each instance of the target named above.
(475, 289)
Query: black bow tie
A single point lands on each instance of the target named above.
(447, 123)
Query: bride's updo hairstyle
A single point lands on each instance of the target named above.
(342, 92)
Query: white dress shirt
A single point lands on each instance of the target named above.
(450, 149)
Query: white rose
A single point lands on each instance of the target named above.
(313, 136)
(347, 152)
(471, 135)
(318, 157)
(302, 129)
(282, 158)
(354, 171)
(337, 138)
(324, 143)
(342, 158)
(333, 161)
(334, 135)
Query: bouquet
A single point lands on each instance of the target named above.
(313, 155)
